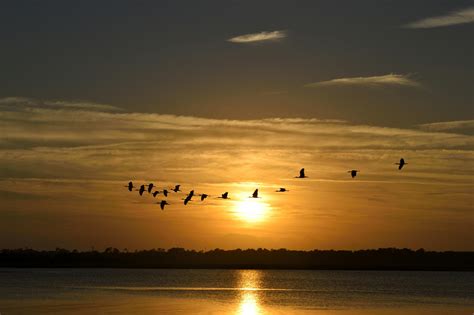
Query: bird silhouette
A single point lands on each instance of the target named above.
(163, 203)
(401, 163)
(188, 197)
(353, 173)
(225, 195)
(302, 175)
(255, 194)
(129, 186)
(176, 188)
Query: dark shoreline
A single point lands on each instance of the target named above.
(178, 258)
(234, 268)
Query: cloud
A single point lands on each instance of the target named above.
(462, 16)
(65, 142)
(457, 125)
(67, 127)
(275, 92)
(374, 81)
(258, 37)
(17, 103)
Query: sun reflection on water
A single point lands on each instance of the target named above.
(249, 284)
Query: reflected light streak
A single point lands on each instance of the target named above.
(249, 283)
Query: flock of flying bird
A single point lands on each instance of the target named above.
(225, 195)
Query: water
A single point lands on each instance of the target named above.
(191, 291)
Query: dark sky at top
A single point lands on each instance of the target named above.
(174, 57)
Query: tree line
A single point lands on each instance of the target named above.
(370, 259)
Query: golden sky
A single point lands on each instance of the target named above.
(235, 96)
(64, 166)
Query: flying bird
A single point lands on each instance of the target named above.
(163, 203)
(150, 187)
(282, 190)
(176, 188)
(130, 186)
(142, 189)
(400, 165)
(353, 173)
(187, 199)
(255, 194)
(302, 175)
(155, 193)
(165, 192)
(225, 195)
(204, 196)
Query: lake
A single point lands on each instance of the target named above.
(196, 291)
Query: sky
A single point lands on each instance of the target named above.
(233, 96)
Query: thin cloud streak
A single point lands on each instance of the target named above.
(69, 127)
(449, 125)
(41, 142)
(258, 37)
(457, 17)
(373, 81)
(20, 103)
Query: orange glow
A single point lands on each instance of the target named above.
(251, 210)
(249, 283)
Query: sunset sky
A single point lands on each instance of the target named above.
(232, 96)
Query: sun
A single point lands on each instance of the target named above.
(251, 210)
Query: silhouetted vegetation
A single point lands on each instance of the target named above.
(374, 259)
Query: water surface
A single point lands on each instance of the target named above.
(185, 291)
